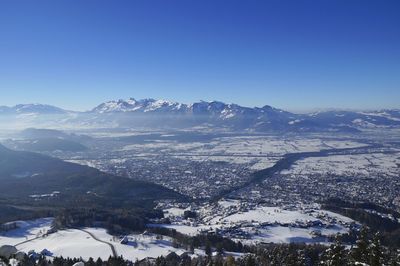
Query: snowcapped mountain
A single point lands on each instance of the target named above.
(213, 109)
(144, 105)
(151, 113)
(219, 114)
(214, 114)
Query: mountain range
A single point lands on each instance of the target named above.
(153, 113)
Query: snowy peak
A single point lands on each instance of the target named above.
(115, 106)
(214, 110)
(152, 113)
(144, 105)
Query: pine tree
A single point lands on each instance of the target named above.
(99, 262)
(375, 251)
(90, 262)
(42, 261)
(219, 260)
(335, 255)
(240, 246)
(26, 261)
(250, 261)
(208, 249)
(220, 250)
(360, 252)
(338, 253)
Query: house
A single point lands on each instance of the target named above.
(124, 240)
(46, 252)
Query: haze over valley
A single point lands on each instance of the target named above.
(251, 175)
(199, 133)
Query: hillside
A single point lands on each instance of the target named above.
(25, 175)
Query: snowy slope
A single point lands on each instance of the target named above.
(79, 243)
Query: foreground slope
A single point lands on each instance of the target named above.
(29, 175)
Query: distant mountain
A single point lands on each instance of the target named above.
(163, 114)
(36, 133)
(37, 109)
(45, 145)
(151, 112)
(358, 119)
(5, 110)
(46, 140)
(43, 133)
(31, 109)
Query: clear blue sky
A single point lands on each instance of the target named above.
(289, 54)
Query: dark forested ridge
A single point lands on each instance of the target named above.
(371, 215)
(34, 185)
(39, 174)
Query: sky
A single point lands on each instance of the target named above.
(295, 55)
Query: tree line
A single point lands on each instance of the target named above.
(368, 250)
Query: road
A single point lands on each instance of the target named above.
(26, 241)
(113, 250)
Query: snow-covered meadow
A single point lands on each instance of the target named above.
(258, 152)
(366, 165)
(252, 224)
(26, 230)
(71, 243)
(86, 242)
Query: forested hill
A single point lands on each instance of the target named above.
(27, 175)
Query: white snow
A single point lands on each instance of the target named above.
(77, 243)
(69, 243)
(26, 230)
(366, 165)
(264, 223)
(174, 212)
(268, 215)
(139, 246)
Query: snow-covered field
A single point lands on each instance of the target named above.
(258, 152)
(263, 223)
(246, 145)
(139, 246)
(26, 230)
(69, 243)
(31, 235)
(281, 234)
(367, 165)
(266, 215)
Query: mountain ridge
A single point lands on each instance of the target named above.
(37, 107)
(215, 114)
